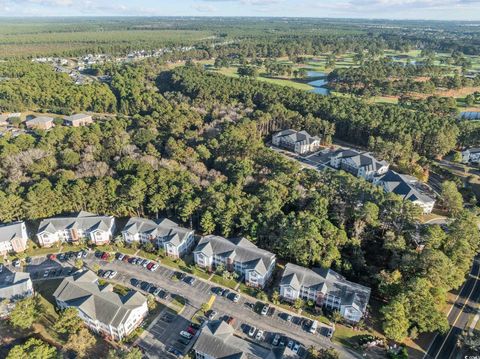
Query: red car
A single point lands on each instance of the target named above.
(105, 256)
(126, 258)
(191, 330)
(52, 257)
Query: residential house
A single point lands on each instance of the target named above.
(236, 254)
(13, 237)
(296, 141)
(360, 164)
(326, 288)
(218, 340)
(84, 225)
(471, 155)
(163, 233)
(15, 285)
(4, 120)
(40, 123)
(409, 188)
(102, 310)
(78, 120)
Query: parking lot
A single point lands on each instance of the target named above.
(163, 333)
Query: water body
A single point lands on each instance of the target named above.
(318, 83)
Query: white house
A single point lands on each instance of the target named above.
(13, 237)
(15, 285)
(77, 120)
(326, 288)
(296, 141)
(83, 226)
(237, 255)
(163, 233)
(471, 155)
(360, 164)
(102, 310)
(407, 187)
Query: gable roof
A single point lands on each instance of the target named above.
(99, 303)
(11, 231)
(361, 159)
(297, 136)
(76, 117)
(326, 281)
(13, 284)
(82, 220)
(238, 249)
(168, 230)
(404, 186)
(39, 120)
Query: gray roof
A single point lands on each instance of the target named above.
(405, 186)
(99, 303)
(238, 249)
(11, 231)
(326, 281)
(40, 120)
(218, 340)
(473, 150)
(78, 116)
(170, 231)
(361, 159)
(14, 284)
(297, 136)
(82, 220)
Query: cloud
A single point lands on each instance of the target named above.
(205, 8)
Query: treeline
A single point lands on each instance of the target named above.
(355, 121)
(197, 154)
(393, 78)
(30, 86)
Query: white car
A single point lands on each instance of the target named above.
(45, 274)
(296, 348)
(259, 335)
(186, 335)
(154, 268)
(265, 309)
(251, 332)
(112, 274)
(145, 263)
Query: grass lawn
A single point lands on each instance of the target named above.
(225, 282)
(177, 304)
(347, 336)
(184, 266)
(151, 256)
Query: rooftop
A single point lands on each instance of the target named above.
(169, 230)
(82, 220)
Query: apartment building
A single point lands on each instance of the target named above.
(13, 237)
(296, 141)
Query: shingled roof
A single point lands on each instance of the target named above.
(238, 249)
(361, 159)
(326, 281)
(99, 303)
(404, 186)
(165, 228)
(82, 220)
(11, 231)
(14, 284)
(297, 136)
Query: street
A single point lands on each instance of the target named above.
(444, 346)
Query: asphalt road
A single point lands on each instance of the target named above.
(444, 346)
(163, 335)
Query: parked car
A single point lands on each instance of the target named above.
(211, 315)
(45, 274)
(157, 291)
(145, 263)
(225, 293)
(181, 275)
(1, 267)
(296, 348)
(79, 254)
(186, 335)
(61, 257)
(16, 263)
(126, 258)
(259, 335)
(190, 280)
(84, 254)
(276, 340)
(52, 257)
(251, 331)
(329, 333)
(120, 256)
(191, 330)
(195, 326)
(154, 267)
(28, 260)
(236, 298)
(135, 282)
(290, 344)
(264, 310)
(184, 341)
(283, 341)
(105, 256)
(174, 351)
(289, 318)
(112, 274)
(230, 320)
(106, 274)
(313, 327)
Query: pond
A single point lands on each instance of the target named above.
(319, 82)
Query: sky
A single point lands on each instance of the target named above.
(385, 9)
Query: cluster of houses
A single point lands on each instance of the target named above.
(46, 122)
(365, 165)
(116, 316)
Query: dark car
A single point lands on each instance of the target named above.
(152, 289)
(195, 326)
(28, 260)
(184, 341)
(189, 280)
(135, 282)
(174, 351)
(145, 286)
(61, 257)
(98, 254)
(225, 293)
(181, 275)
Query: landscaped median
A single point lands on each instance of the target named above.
(177, 304)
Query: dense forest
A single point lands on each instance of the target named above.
(192, 149)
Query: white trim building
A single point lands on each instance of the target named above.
(237, 255)
(296, 141)
(102, 310)
(360, 164)
(83, 226)
(164, 233)
(471, 155)
(13, 237)
(326, 288)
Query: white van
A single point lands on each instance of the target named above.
(313, 327)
